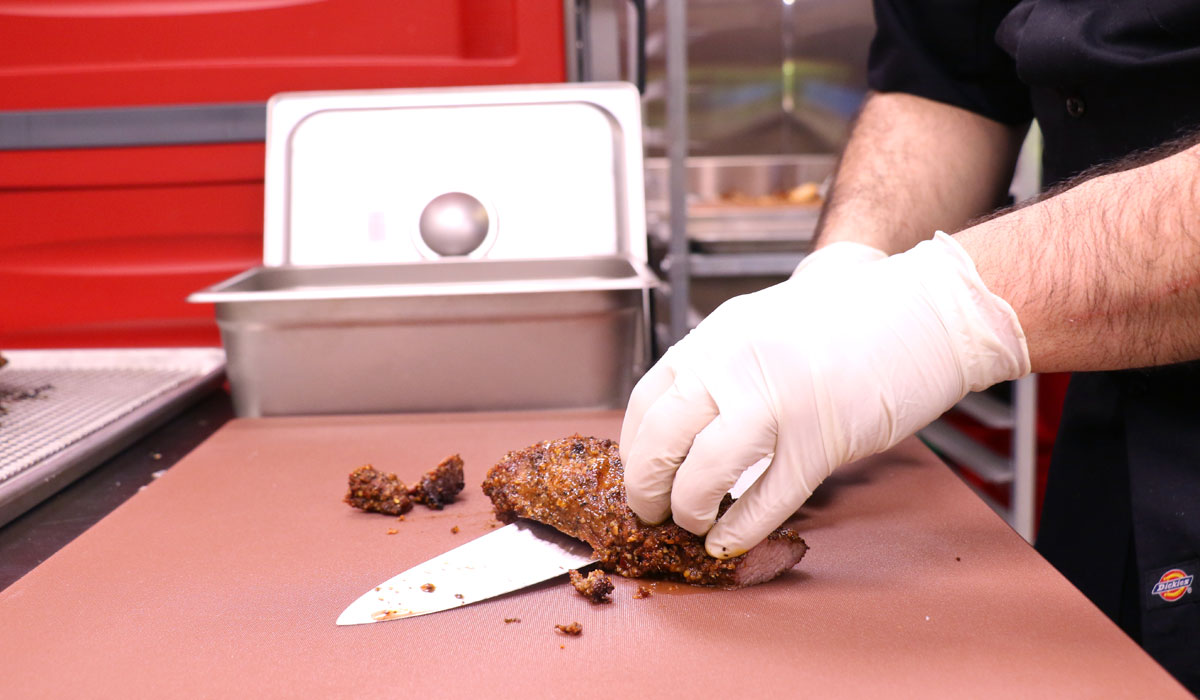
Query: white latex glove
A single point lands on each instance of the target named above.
(819, 371)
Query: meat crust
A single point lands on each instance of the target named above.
(576, 485)
(440, 486)
(377, 492)
(596, 586)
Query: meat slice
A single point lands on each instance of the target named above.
(375, 491)
(576, 486)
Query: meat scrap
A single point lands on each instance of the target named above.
(641, 592)
(596, 586)
(378, 492)
(440, 486)
(576, 486)
(574, 629)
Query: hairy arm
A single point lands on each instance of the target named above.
(913, 166)
(1105, 275)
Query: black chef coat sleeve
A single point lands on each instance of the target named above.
(946, 50)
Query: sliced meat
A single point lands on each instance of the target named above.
(576, 486)
(374, 491)
(440, 486)
(596, 586)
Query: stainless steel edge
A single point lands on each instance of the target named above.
(234, 289)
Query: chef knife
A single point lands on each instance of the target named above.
(508, 559)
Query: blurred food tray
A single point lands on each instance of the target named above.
(745, 204)
(63, 412)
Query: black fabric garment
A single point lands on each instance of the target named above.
(1104, 79)
(1123, 504)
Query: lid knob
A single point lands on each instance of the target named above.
(454, 223)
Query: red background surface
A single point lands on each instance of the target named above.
(101, 246)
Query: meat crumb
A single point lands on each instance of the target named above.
(458, 595)
(428, 587)
(454, 530)
(574, 629)
(642, 592)
(392, 531)
(376, 492)
(510, 620)
(596, 586)
(400, 519)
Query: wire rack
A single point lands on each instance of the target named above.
(64, 411)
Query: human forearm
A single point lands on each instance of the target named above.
(1105, 275)
(913, 166)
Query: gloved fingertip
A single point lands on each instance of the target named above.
(720, 549)
(695, 525)
(647, 510)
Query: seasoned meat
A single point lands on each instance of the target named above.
(440, 486)
(375, 491)
(596, 586)
(576, 486)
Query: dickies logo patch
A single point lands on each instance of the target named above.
(1173, 585)
(1170, 586)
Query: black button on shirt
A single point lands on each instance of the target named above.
(1076, 106)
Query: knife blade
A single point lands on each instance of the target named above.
(508, 559)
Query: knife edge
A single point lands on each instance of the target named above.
(502, 561)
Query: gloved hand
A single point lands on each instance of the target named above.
(823, 369)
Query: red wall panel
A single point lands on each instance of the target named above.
(101, 246)
(81, 53)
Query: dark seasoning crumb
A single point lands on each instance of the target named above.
(510, 620)
(8, 396)
(596, 586)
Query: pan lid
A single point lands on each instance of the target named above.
(513, 172)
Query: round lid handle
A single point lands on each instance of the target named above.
(454, 223)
